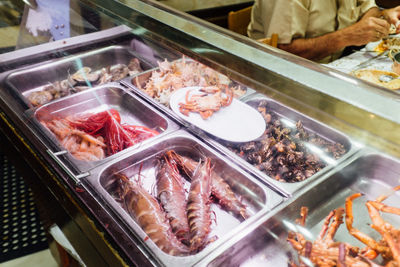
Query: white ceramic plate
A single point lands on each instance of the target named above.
(237, 122)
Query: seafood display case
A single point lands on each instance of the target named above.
(145, 187)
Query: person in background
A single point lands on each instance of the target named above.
(320, 30)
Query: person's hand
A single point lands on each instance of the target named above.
(393, 16)
(367, 30)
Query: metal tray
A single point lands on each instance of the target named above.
(289, 115)
(258, 197)
(372, 173)
(29, 79)
(145, 76)
(132, 111)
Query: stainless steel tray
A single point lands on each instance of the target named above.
(291, 116)
(24, 81)
(254, 194)
(265, 244)
(132, 111)
(142, 78)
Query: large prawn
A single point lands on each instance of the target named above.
(219, 188)
(146, 211)
(198, 208)
(171, 194)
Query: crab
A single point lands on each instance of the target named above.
(389, 246)
(324, 251)
(210, 101)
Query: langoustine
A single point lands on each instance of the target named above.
(219, 188)
(198, 207)
(171, 194)
(146, 211)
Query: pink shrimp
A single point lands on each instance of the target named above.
(198, 208)
(219, 188)
(146, 211)
(171, 194)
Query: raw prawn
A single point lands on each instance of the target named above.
(80, 144)
(198, 208)
(146, 211)
(108, 125)
(94, 123)
(94, 136)
(219, 188)
(138, 133)
(171, 194)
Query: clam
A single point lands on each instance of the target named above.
(50, 88)
(119, 71)
(105, 75)
(40, 97)
(134, 67)
(84, 75)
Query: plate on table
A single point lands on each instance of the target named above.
(237, 122)
(393, 41)
(376, 77)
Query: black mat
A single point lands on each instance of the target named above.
(21, 232)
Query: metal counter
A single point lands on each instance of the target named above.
(333, 109)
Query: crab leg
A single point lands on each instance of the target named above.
(325, 226)
(383, 197)
(303, 216)
(206, 114)
(357, 233)
(384, 229)
(229, 97)
(338, 220)
(385, 208)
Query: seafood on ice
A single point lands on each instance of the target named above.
(93, 137)
(175, 75)
(207, 102)
(176, 214)
(325, 251)
(83, 79)
(281, 152)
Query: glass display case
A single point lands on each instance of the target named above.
(101, 118)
